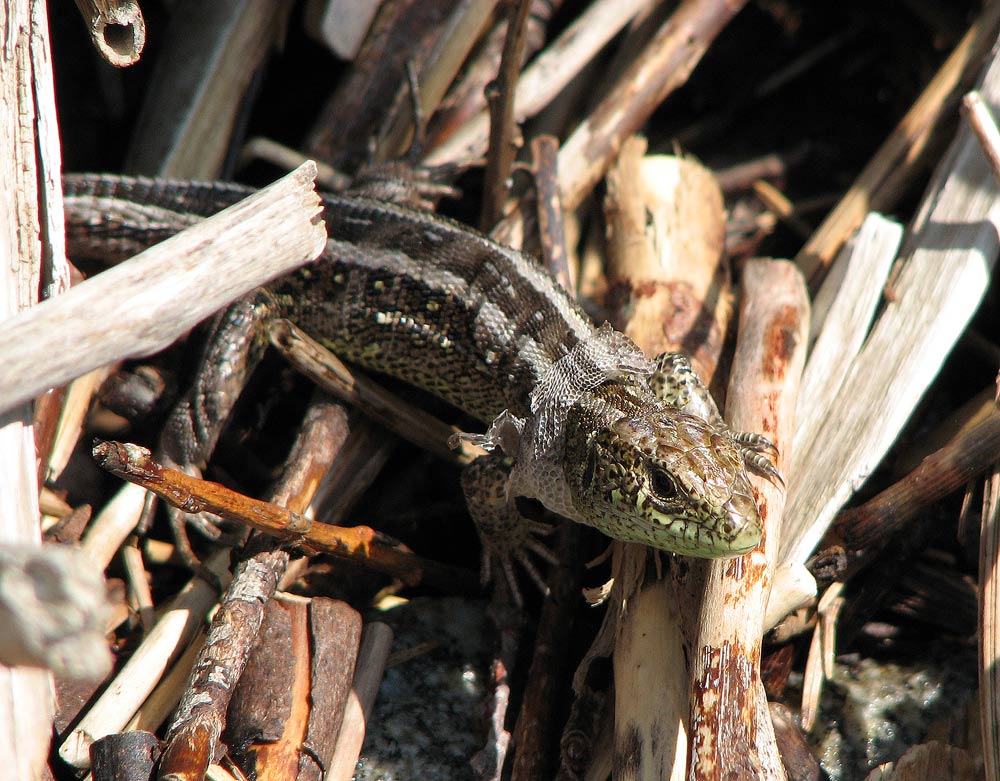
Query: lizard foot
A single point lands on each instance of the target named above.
(507, 536)
(506, 554)
(759, 455)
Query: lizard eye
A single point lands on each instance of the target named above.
(662, 483)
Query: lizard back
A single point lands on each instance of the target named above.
(414, 295)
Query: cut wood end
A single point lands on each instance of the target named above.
(118, 33)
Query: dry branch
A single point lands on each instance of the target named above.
(546, 76)
(32, 260)
(984, 125)
(201, 711)
(865, 530)
(454, 42)
(144, 304)
(397, 415)
(551, 221)
(989, 621)
(728, 697)
(663, 65)
(192, 495)
(504, 141)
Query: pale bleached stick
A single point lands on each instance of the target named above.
(946, 264)
(725, 675)
(983, 124)
(547, 75)
(859, 272)
(846, 305)
(989, 621)
(144, 304)
(76, 405)
(31, 259)
(164, 698)
(113, 524)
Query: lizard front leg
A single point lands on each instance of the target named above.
(235, 346)
(675, 382)
(506, 535)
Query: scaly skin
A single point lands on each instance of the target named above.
(436, 304)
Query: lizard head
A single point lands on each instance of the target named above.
(665, 479)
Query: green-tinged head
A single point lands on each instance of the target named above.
(663, 478)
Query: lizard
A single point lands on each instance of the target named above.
(579, 418)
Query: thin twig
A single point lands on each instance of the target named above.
(500, 96)
(544, 154)
(360, 543)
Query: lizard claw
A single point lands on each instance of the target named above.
(508, 538)
(759, 455)
(508, 554)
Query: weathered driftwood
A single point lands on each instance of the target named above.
(666, 227)
(727, 694)
(144, 304)
(843, 311)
